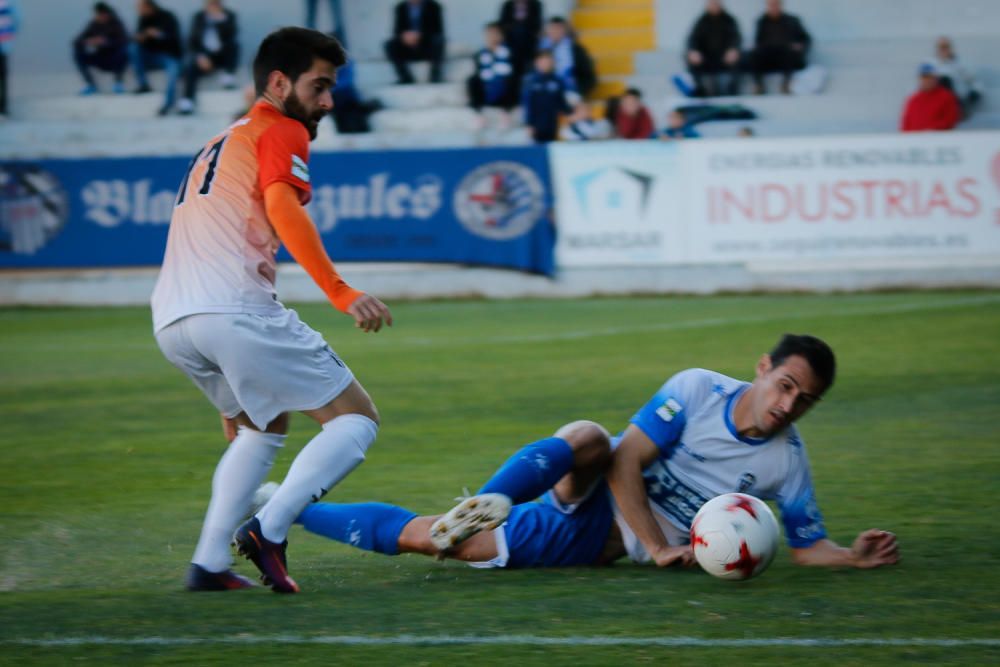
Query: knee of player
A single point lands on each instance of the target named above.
(586, 436)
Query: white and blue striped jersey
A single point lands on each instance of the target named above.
(690, 419)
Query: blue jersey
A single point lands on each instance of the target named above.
(690, 419)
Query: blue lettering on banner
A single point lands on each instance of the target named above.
(488, 207)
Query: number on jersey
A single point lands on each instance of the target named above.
(210, 153)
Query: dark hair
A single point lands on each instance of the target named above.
(291, 51)
(543, 52)
(558, 19)
(817, 353)
(495, 25)
(103, 8)
(634, 92)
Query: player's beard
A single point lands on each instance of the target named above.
(295, 109)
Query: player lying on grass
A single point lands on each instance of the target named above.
(702, 434)
(217, 317)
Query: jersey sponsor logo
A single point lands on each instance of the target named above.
(378, 197)
(500, 200)
(747, 480)
(300, 169)
(675, 498)
(669, 410)
(33, 208)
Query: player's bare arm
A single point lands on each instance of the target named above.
(872, 548)
(634, 453)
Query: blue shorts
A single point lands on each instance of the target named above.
(548, 533)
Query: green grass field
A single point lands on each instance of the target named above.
(107, 455)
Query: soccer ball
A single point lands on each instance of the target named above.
(734, 536)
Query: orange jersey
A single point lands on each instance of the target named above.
(220, 255)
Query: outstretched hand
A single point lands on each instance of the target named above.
(682, 555)
(369, 313)
(874, 548)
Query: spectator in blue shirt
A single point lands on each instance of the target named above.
(572, 63)
(543, 97)
(677, 127)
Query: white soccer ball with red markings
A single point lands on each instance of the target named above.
(734, 536)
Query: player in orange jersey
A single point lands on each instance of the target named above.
(216, 315)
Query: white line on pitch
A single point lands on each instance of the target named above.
(510, 640)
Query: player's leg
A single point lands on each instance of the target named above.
(349, 426)
(387, 529)
(569, 463)
(243, 466)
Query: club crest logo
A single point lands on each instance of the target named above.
(34, 208)
(500, 200)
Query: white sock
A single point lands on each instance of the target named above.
(335, 451)
(242, 469)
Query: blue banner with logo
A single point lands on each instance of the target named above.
(479, 206)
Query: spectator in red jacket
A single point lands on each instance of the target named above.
(932, 107)
(632, 118)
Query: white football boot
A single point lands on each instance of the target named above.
(472, 515)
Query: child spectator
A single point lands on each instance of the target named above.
(572, 62)
(632, 119)
(212, 46)
(713, 55)
(677, 127)
(932, 107)
(543, 97)
(102, 44)
(582, 126)
(492, 84)
(956, 77)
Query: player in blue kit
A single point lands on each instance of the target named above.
(702, 434)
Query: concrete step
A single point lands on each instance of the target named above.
(372, 74)
(614, 16)
(620, 39)
(425, 120)
(614, 63)
(612, 4)
(422, 96)
(221, 103)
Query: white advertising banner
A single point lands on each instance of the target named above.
(614, 202)
(909, 195)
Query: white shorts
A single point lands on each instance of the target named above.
(263, 365)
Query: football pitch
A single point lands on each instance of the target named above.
(108, 452)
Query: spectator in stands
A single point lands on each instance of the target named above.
(157, 45)
(212, 46)
(492, 83)
(572, 62)
(631, 118)
(781, 45)
(521, 22)
(335, 12)
(677, 127)
(932, 107)
(102, 44)
(582, 126)
(713, 55)
(417, 34)
(745, 131)
(956, 77)
(8, 29)
(543, 98)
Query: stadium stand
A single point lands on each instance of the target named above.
(870, 49)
